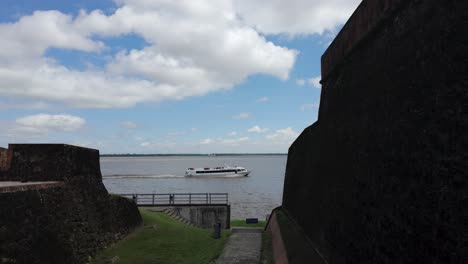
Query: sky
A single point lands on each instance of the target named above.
(164, 76)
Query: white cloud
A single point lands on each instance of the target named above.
(235, 142)
(20, 105)
(300, 82)
(145, 144)
(306, 107)
(82, 144)
(159, 147)
(282, 136)
(232, 134)
(43, 123)
(243, 139)
(257, 129)
(32, 35)
(206, 141)
(175, 133)
(315, 82)
(81, 89)
(295, 17)
(224, 141)
(275, 142)
(207, 48)
(243, 115)
(128, 124)
(263, 99)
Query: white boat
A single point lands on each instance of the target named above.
(226, 171)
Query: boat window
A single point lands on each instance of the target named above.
(216, 171)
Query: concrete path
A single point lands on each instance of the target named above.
(243, 246)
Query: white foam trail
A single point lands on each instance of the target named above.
(161, 176)
(166, 176)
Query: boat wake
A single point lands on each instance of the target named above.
(166, 176)
(133, 176)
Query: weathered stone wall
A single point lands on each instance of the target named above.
(381, 177)
(203, 216)
(64, 224)
(3, 160)
(29, 230)
(54, 162)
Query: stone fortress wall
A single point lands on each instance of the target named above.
(381, 177)
(3, 159)
(57, 210)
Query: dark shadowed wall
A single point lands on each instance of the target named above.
(3, 159)
(67, 222)
(381, 177)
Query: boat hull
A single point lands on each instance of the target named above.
(221, 174)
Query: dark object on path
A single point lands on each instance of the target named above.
(251, 220)
(217, 230)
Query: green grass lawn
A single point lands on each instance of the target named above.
(243, 224)
(164, 240)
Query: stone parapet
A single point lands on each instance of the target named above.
(53, 162)
(367, 18)
(4, 160)
(19, 186)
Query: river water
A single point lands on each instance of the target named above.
(252, 196)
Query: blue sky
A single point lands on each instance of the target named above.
(140, 76)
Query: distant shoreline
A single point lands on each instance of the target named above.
(185, 154)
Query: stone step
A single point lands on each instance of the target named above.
(177, 217)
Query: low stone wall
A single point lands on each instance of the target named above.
(280, 255)
(66, 222)
(289, 241)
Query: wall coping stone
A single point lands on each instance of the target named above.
(368, 16)
(16, 186)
